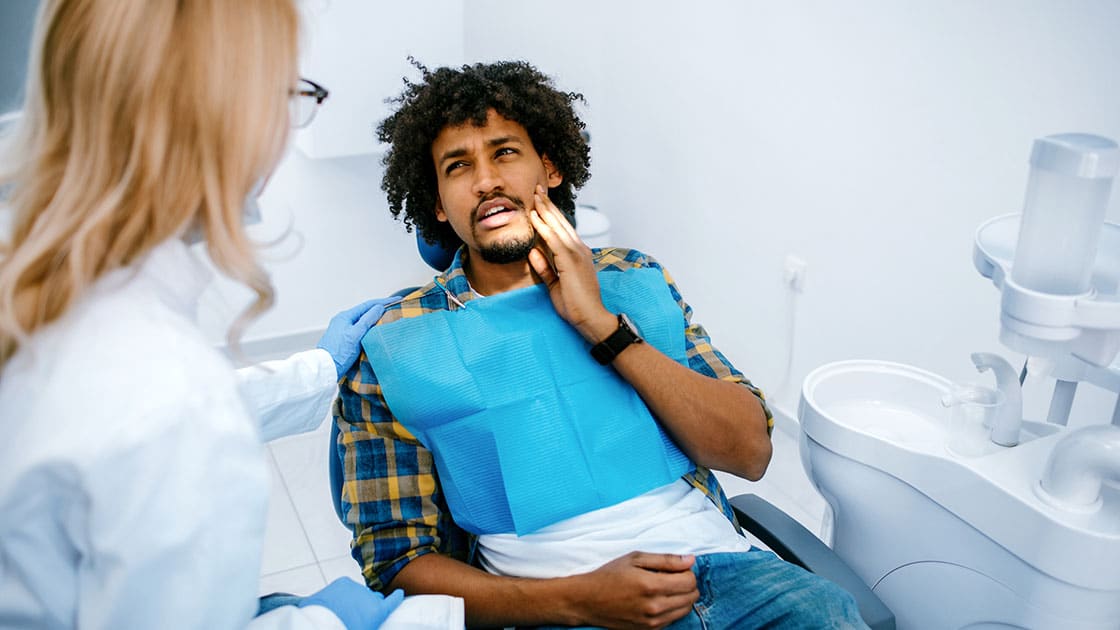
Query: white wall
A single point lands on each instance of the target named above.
(337, 243)
(869, 138)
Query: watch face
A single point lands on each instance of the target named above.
(631, 325)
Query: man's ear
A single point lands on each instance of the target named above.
(440, 214)
(553, 173)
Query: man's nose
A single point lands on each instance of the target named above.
(487, 178)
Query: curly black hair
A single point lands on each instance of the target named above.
(453, 97)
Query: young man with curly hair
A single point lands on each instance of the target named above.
(509, 436)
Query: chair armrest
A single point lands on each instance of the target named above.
(793, 543)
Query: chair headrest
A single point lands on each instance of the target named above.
(437, 257)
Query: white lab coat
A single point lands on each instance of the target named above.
(292, 395)
(133, 484)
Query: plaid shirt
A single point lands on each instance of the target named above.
(391, 496)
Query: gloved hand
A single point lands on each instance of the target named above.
(356, 606)
(344, 334)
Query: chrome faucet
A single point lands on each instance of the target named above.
(1008, 418)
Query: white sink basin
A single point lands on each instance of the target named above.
(897, 403)
(889, 417)
(893, 402)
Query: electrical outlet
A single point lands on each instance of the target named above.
(794, 272)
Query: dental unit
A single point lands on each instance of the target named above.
(953, 508)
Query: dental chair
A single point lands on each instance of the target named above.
(773, 528)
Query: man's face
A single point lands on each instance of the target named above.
(486, 178)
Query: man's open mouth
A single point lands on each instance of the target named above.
(493, 208)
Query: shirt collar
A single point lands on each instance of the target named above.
(454, 280)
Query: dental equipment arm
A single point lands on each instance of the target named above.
(1009, 420)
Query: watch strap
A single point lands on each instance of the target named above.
(606, 350)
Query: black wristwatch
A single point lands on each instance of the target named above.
(606, 350)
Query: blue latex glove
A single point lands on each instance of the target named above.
(343, 337)
(358, 607)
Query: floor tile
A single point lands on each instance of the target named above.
(342, 566)
(302, 461)
(303, 580)
(285, 543)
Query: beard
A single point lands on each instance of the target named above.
(509, 251)
(512, 249)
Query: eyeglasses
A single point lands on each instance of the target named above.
(305, 101)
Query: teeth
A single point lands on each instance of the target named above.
(494, 210)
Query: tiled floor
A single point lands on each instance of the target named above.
(306, 546)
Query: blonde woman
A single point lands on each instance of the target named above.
(133, 486)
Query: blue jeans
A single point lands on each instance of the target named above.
(757, 589)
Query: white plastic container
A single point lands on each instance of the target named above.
(593, 226)
(974, 408)
(1067, 197)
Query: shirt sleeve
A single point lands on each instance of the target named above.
(291, 395)
(390, 494)
(702, 356)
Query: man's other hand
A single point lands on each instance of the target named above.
(638, 590)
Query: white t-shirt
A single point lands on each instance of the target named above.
(676, 518)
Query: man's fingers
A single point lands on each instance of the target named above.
(672, 584)
(560, 218)
(539, 262)
(673, 607)
(557, 241)
(544, 230)
(561, 231)
(665, 562)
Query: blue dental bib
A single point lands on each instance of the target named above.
(526, 429)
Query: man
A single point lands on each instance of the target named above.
(599, 510)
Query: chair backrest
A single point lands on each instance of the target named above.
(437, 258)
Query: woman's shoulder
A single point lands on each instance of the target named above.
(119, 363)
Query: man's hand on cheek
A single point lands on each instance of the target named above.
(565, 265)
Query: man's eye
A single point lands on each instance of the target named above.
(453, 166)
(505, 151)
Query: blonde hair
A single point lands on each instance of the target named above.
(143, 118)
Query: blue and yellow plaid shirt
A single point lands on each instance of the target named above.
(391, 496)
